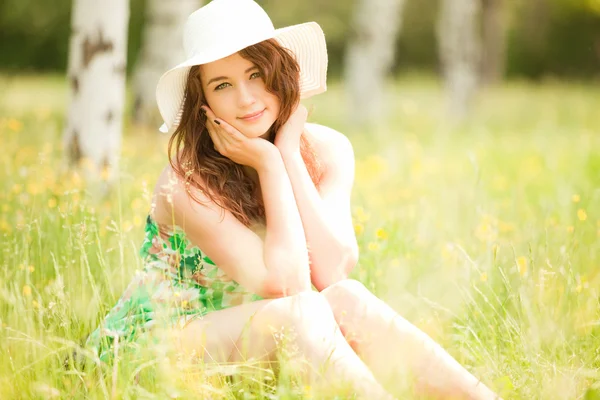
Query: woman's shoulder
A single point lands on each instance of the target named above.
(323, 133)
(328, 141)
(171, 189)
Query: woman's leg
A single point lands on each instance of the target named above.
(247, 331)
(396, 350)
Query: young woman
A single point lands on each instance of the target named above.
(253, 208)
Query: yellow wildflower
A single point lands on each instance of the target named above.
(4, 226)
(575, 198)
(522, 264)
(47, 147)
(51, 203)
(31, 268)
(87, 164)
(570, 229)
(14, 125)
(505, 227)
(127, 225)
(484, 277)
(581, 214)
(448, 252)
(35, 304)
(487, 228)
(373, 246)
(137, 221)
(308, 391)
(382, 234)
(358, 228)
(33, 188)
(360, 214)
(26, 290)
(105, 174)
(76, 181)
(137, 203)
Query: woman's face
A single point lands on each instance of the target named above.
(235, 91)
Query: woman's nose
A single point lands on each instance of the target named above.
(246, 96)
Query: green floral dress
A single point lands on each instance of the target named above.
(177, 284)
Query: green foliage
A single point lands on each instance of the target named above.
(546, 37)
(563, 41)
(35, 34)
(485, 235)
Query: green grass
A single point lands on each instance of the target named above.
(485, 234)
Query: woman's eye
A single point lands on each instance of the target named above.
(221, 86)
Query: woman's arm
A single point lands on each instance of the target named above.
(326, 216)
(285, 253)
(275, 267)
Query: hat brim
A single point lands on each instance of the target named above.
(306, 41)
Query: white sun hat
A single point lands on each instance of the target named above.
(224, 27)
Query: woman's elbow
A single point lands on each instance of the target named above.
(327, 276)
(277, 285)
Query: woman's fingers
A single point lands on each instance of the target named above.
(225, 137)
(215, 137)
(217, 143)
(226, 131)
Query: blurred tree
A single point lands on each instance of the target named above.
(459, 51)
(161, 49)
(370, 55)
(96, 73)
(493, 57)
(559, 38)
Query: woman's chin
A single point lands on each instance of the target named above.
(255, 131)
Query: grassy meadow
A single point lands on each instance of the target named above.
(485, 234)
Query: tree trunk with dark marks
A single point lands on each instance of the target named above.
(459, 44)
(369, 57)
(162, 48)
(494, 40)
(96, 72)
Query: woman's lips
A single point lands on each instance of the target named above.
(254, 117)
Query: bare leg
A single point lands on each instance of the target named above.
(395, 350)
(246, 332)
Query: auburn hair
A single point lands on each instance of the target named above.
(222, 180)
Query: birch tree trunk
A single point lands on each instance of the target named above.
(96, 72)
(369, 57)
(162, 49)
(494, 40)
(459, 44)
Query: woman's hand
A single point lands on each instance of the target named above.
(287, 139)
(234, 145)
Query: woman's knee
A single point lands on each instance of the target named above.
(302, 309)
(346, 293)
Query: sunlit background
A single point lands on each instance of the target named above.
(476, 202)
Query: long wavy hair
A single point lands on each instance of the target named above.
(221, 179)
